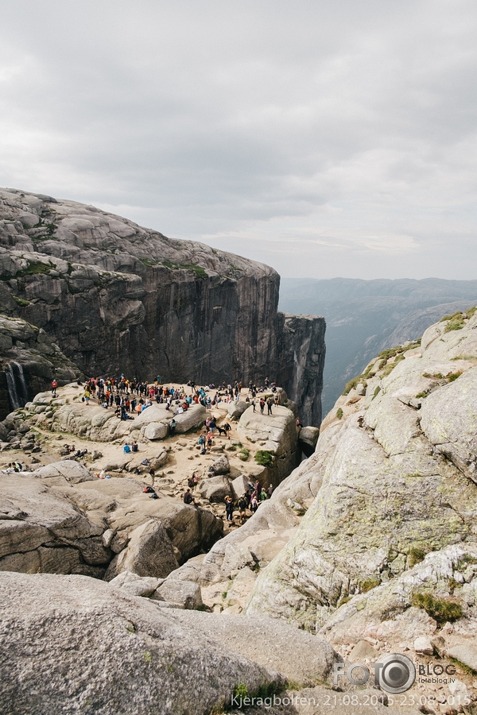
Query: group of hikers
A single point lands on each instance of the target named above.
(250, 500)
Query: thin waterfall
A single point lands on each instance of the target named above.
(16, 385)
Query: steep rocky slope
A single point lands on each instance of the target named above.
(397, 473)
(375, 535)
(120, 298)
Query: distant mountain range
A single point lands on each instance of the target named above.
(364, 317)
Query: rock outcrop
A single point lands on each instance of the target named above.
(60, 519)
(120, 298)
(396, 466)
(276, 434)
(29, 359)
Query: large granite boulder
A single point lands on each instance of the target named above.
(120, 298)
(148, 553)
(79, 645)
(41, 531)
(275, 433)
(215, 489)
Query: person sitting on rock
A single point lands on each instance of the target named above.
(126, 448)
(172, 427)
(134, 447)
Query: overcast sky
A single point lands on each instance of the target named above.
(323, 137)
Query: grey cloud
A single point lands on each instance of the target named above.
(255, 126)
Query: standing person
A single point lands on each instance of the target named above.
(269, 405)
(229, 508)
(262, 405)
(242, 505)
(54, 385)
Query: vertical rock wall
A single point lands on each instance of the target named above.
(120, 298)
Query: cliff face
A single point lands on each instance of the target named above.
(30, 361)
(117, 297)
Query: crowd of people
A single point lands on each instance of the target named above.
(130, 397)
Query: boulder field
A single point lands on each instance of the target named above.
(368, 548)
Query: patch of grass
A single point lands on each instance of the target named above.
(148, 262)
(440, 608)
(343, 600)
(463, 667)
(264, 458)
(472, 358)
(376, 392)
(457, 320)
(465, 560)
(199, 271)
(240, 691)
(351, 384)
(451, 316)
(424, 393)
(22, 302)
(416, 553)
(389, 367)
(454, 324)
(244, 454)
(368, 583)
(451, 376)
(339, 413)
(34, 268)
